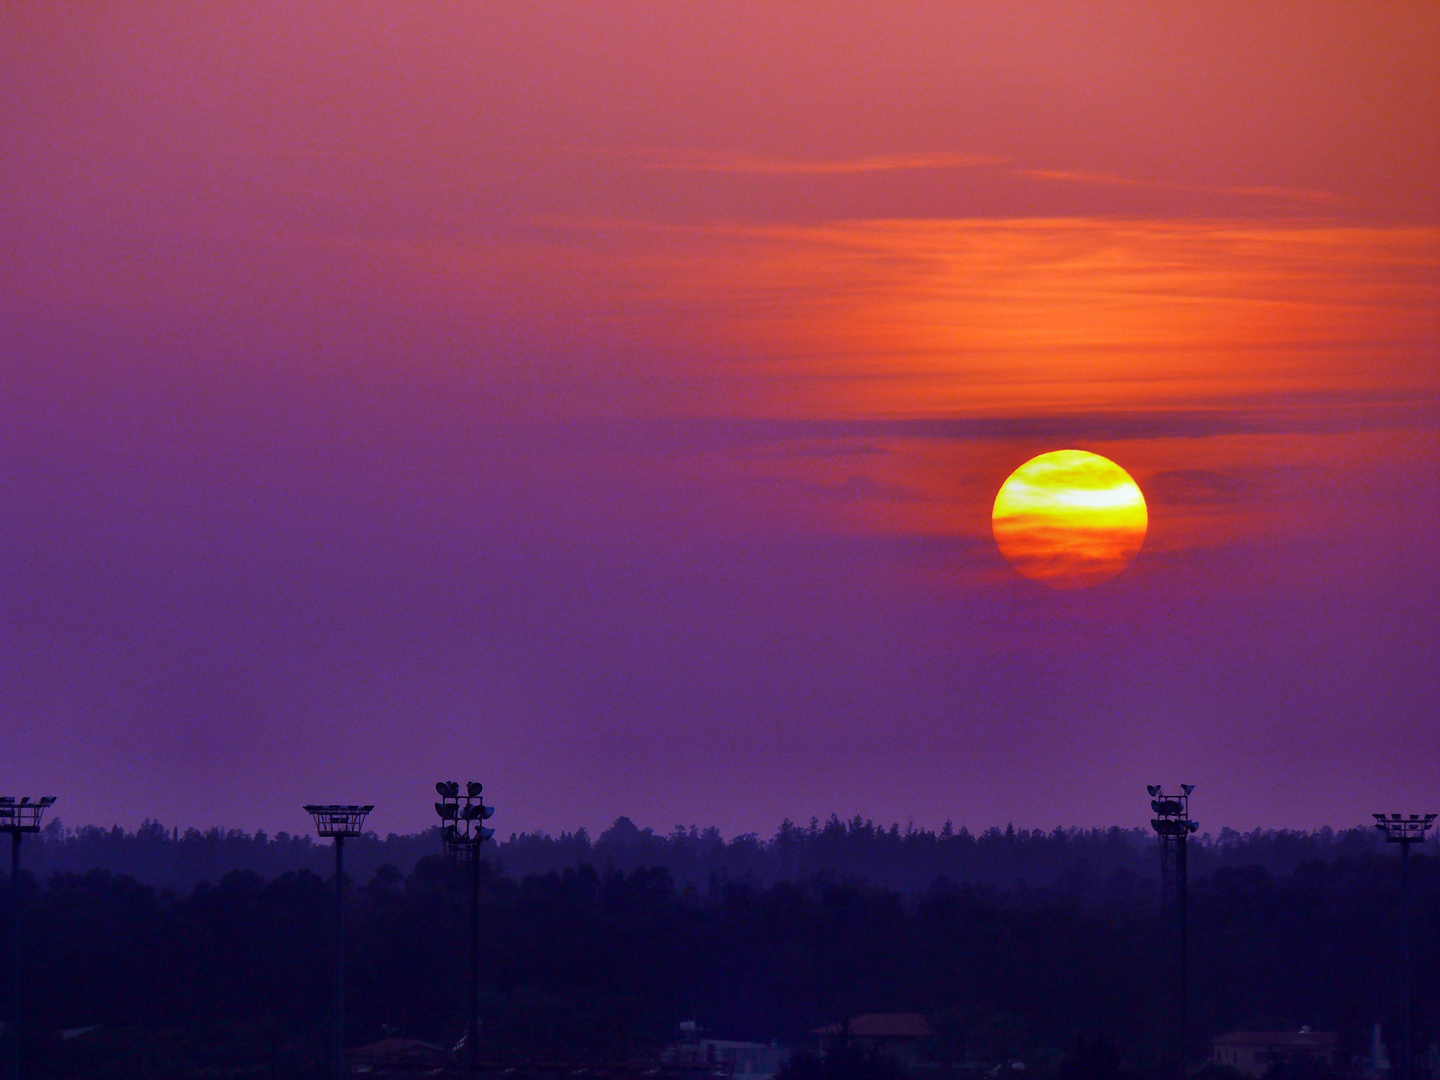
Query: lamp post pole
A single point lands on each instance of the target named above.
(338, 821)
(462, 818)
(1404, 831)
(1173, 825)
(18, 817)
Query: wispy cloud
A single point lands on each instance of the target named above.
(743, 163)
(1264, 416)
(1284, 194)
(721, 161)
(1201, 486)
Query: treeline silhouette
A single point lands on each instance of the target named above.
(590, 965)
(907, 860)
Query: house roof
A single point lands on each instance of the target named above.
(1289, 1040)
(880, 1026)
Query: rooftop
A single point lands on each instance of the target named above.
(880, 1026)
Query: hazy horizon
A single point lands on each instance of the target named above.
(1209, 830)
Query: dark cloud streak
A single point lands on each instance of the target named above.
(1287, 415)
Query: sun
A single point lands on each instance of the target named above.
(1069, 519)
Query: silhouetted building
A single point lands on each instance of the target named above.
(896, 1035)
(696, 1056)
(730, 1058)
(1253, 1052)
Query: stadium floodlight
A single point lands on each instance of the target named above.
(1405, 831)
(1173, 825)
(463, 832)
(18, 817)
(1400, 829)
(22, 815)
(338, 821)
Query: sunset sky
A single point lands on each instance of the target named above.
(607, 402)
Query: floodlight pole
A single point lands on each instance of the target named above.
(1407, 1056)
(1182, 945)
(15, 955)
(472, 1038)
(18, 817)
(463, 831)
(1173, 826)
(1404, 831)
(337, 999)
(338, 821)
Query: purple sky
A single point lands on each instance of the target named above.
(607, 404)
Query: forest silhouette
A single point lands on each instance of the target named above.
(187, 953)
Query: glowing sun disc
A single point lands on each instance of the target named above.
(1069, 519)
